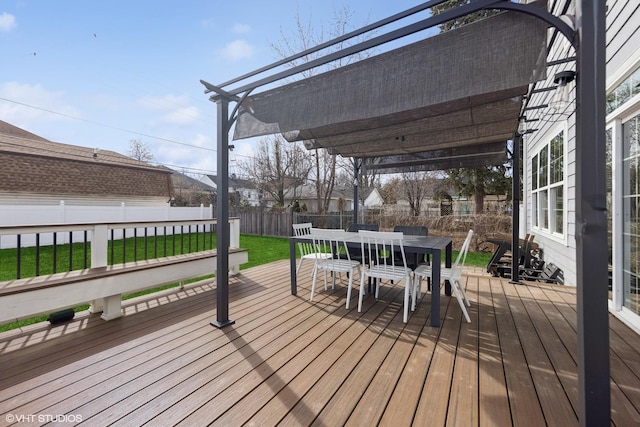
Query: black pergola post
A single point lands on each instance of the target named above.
(515, 210)
(222, 215)
(591, 219)
(356, 195)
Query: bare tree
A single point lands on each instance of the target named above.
(277, 167)
(417, 186)
(481, 180)
(304, 37)
(140, 150)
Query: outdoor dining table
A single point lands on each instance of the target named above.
(432, 245)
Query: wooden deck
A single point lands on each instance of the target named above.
(287, 361)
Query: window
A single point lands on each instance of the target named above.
(631, 206)
(547, 185)
(624, 91)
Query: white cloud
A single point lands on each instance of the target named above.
(7, 22)
(244, 150)
(241, 29)
(188, 157)
(236, 50)
(33, 103)
(162, 103)
(183, 116)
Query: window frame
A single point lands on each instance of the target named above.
(544, 213)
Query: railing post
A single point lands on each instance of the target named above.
(234, 241)
(111, 306)
(99, 245)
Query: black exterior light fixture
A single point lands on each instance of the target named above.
(522, 125)
(560, 99)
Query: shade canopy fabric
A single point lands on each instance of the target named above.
(436, 160)
(461, 88)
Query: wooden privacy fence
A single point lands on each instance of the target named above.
(263, 222)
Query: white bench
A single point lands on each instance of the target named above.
(103, 287)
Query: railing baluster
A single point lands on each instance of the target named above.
(124, 246)
(55, 252)
(85, 250)
(181, 239)
(164, 239)
(174, 240)
(71, 251)
(135, 244)
(189, 248)
(145, 243)
(18, 256)
(155, 242)
(113, 253)
(37, 254)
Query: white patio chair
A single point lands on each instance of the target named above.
(338, 262)
(453, 275)
(307, 249)
(380, 248)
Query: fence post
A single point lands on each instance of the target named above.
(61, 213)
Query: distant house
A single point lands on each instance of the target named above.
(373, 200)
(306, 196)
(38, 171)
(242, 188)
(188, 191)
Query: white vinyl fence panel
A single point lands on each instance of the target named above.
(26, 215)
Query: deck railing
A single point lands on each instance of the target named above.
(49, 267)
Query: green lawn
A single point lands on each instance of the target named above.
(262, 250)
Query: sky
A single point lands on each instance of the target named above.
(101, 73)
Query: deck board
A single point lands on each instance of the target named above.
(288, 361)
(493, 399)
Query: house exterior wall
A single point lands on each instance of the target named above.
(622, 77)
(374, 200)
(559, 248)
(29, 174)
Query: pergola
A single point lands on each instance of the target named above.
(451, 100)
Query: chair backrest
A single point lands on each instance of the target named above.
(382, 247)
(462, 255)
(329, 241)
(304, 229)
(357, 227)
(412, 230)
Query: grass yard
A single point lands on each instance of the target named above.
(262, 250)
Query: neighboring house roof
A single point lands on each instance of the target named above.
(235, 182)
(309, 192)
(34, 165)
(185, 181)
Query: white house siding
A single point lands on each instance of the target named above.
(623, 59)
(559, 249)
